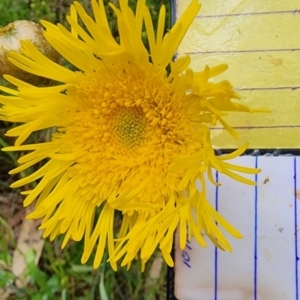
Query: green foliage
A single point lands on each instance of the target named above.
(55, 11)
(60, 275)
(11, 10)
(34, 10)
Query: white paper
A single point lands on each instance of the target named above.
(264, 264)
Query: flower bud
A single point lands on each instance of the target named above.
(10, 40)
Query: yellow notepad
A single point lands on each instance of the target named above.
(260, 41)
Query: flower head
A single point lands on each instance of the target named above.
(131, 136)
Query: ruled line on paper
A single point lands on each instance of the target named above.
(296, 229)
(243, 51)
(257, 127)
(268, 88)
(255, 231)
(216, 249)
(295, 11)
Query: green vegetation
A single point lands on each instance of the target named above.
(59, 273)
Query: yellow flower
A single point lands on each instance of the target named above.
(131, 136)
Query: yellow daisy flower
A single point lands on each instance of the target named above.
(131, 137)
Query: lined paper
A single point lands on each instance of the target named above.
(264, 265)
(260, 41)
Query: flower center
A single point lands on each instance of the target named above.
(128, 126)
(124, 127)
